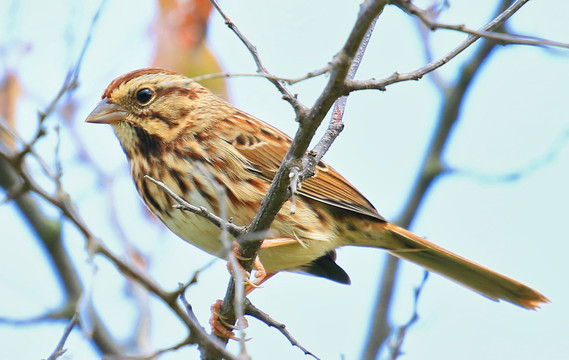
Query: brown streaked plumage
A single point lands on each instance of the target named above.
(167, 124)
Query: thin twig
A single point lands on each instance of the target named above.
(28, 149)
(299, 108)
(189, 309)
(194, 279)
(336, 124)
(59, 350)
(501, 38)
(352, 85)
(426, 36)
(235, 230)
(197, 331)
(289, 81)
(154, 355)
(402, 331)
(255, 312)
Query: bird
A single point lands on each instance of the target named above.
(178, 132)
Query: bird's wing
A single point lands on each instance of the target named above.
(265, 146)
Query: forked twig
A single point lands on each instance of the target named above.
(402, 331)
(502, 38)
(299, 108)
(59, 350)
(352, 85)
(336, 124)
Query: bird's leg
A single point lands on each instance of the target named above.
(218, 325)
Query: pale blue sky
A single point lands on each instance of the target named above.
(514, 115)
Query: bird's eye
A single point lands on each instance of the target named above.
(143, 96)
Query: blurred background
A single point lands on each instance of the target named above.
(503, 202)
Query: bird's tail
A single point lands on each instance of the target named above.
(408, 246)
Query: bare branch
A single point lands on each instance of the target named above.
(279, 191)
(425, 35)
(501, 38)
(299, 108)
(154, 355)
(59, 350)
(197, 332)
(289, 81)
(336, 124)
(353, 85)
(253, 311)
(402, 331)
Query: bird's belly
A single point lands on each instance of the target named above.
(309, 240)
(201, 233)
(193, 228)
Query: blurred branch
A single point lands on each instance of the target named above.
(197, 333)
(425, 34)
(528, 169)
(501, 38)
(430, 169)
(188, 341)
(15, 178)
(237, 273)
(400, 334)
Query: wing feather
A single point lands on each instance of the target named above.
(265, 146)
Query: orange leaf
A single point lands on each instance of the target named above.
(180, 38)
(10, 92)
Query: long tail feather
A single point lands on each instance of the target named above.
(476, 277)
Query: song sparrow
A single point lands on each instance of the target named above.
(167, 124)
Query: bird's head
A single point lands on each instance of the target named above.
(153, 105)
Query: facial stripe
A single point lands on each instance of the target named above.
(148, 143)
(131, 75)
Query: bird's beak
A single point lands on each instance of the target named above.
(105, 113)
